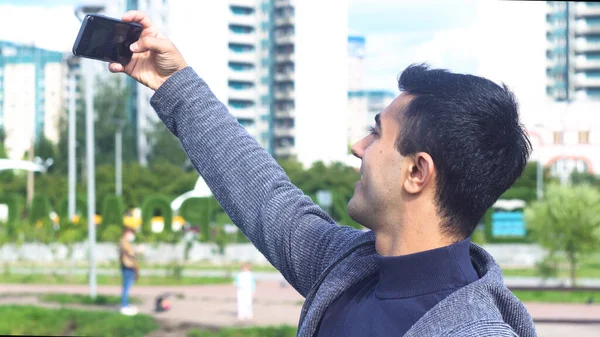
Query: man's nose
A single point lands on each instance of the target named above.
(358, 149)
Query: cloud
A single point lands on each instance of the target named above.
(53, 28)
(389, 16)
(503, 41)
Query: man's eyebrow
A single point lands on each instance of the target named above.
(378, 121)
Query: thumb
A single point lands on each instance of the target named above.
(151, 43)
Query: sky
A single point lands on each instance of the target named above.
(501, 40)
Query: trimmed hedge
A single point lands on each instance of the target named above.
(197, 211)
(112, 211)
(80, 208)
(156, 203)
(40, 209)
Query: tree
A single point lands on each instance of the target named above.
(165, 147)
(110, 109)
(567, 221)
(578, 178)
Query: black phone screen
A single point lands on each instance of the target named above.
(106, 39)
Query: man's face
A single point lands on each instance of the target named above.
(382, 171)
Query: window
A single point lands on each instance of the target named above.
(558, 137)
(584, 137)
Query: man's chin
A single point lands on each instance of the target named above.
(354, 211)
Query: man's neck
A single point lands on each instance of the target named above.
(413, 235)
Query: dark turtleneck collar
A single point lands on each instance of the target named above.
(425, 272)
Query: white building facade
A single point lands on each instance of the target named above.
(279, 65)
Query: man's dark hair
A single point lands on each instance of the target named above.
(470, 127)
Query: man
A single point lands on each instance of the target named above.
(439, 157)
(129, 269)
(246, 287)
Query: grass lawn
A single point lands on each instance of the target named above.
(108, 300)
(109, 280)
(585, 270)
(557, 296)
(275, 331)
(589, 267)
(27, 320)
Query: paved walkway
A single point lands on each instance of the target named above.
(215, 306)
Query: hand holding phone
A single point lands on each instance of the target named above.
(106, 39)
(155, 58)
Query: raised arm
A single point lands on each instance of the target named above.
(293, 233)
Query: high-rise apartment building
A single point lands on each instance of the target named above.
(279, 65)
(363, 104)
(573, 53)
(31, 95)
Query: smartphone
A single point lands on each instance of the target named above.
(106, 39)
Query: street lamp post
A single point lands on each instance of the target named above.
(72, 168)
(91, 174)
(119, 157)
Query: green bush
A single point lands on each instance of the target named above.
(339, 211)
(14, 211)
(112, 211)
(17, 320)
(197, 211)
(80, 208)
(156, 203)
(110, 233)
(40, 209)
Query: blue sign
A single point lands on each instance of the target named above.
(508, 224)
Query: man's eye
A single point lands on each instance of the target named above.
(373, 130)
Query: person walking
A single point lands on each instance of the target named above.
(129, 269)
(246, 289)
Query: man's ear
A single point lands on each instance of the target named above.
(420, 172)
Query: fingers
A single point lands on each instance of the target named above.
(139, 17)
(151, 43)
(116, 68)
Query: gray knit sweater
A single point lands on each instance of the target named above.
(319, 258)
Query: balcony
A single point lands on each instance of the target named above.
(281, 58)
(284, 132)
(584, 29)
(587, 82)
(284, 20)
(284, 77)
(243, 38)
(284, 3)
(281, 38)
(242, 57)
(242, 94)
(285, 112)
(243, 113)
(587, 64)
(582, 10)
(241, 19)
(586, 47)
(284, 95)
(284, 151)
(242, 75)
